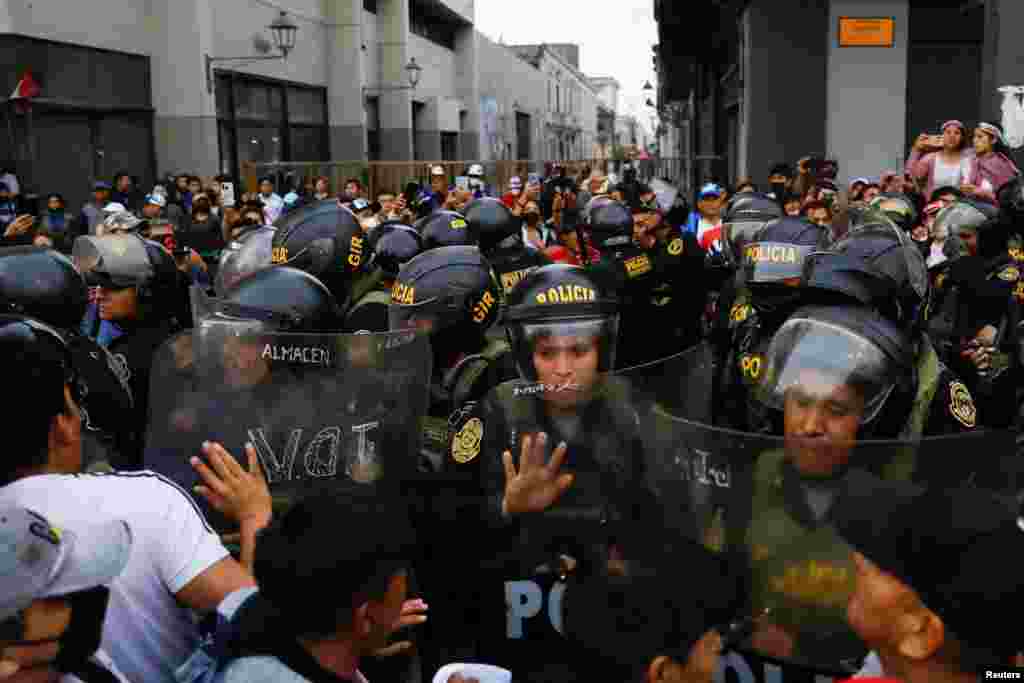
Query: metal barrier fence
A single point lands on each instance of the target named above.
(393, 176)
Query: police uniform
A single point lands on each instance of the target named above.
(663, 291)
(595, 520)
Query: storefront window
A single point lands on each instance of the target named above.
(262, 120)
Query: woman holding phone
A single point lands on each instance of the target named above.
(941, 160)
(992, 167)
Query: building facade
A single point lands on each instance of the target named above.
(124, 87)
(857, 80)
(569, 127)
(607, 90)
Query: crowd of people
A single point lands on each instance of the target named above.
(570, 429)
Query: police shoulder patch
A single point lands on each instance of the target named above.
(675, 247)
(961, 405)
(1009, 274)
(739, 312)
(466, 444)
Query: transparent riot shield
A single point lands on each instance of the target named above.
(317, 408)
(650, 478)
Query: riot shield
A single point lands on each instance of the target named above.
(318, 408)
(649, 479)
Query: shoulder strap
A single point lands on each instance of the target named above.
(471, 368)
(929, 371)
(362, 286)
(374, 296)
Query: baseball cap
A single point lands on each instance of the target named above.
(475, 171)
(437, 170)
(102, 185)
(358, 204)
(115, 207)
(710, 190)
(862, 180)
(950, 545)
(484, 673)
(38, 560)
(156, 199)
(515, 183)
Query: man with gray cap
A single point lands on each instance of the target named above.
(53, 597)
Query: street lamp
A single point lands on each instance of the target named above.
(283, 33)
(412, 69)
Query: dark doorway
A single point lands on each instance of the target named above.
(523, 142)
(449, 146)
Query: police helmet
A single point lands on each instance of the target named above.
(325, 240)
(611, 226)
(244, 255)
(898, 207)
(560, 300)
(445, 229)
(775, 254)
(744, 215)
(491, 221)
(275, 299)
(393, 244)
(820, 347)
(446, 289)
(876, 265)
(44, 284)
(963, 215)
(126, 260)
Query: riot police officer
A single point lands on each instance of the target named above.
(898, 207)
(877, 265)
(769, 291)
(563, 330)
(744, 215)
(975, 309)
(391, 245)
(44, 284)
(325, 240)
(501, 241)
(664, 288)
(140, 289)
(450, 293)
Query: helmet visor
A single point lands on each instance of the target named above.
(427, 317)
(243, 258)
(821, 364)
(566, 357)
(112, 260)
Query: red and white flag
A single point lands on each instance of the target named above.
(26, 89)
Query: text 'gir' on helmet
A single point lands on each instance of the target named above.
(325, 240)
(447, 290)
(565, 303)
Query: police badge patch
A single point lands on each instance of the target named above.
(675, 247)
(466, 444)
(961, 405)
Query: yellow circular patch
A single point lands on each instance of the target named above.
(457, 224)
(466, 445)
(675, 247)
(962, 405)
(739, 313)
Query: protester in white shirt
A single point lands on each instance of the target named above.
(177, 561)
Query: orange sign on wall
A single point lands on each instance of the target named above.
(866, 31)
